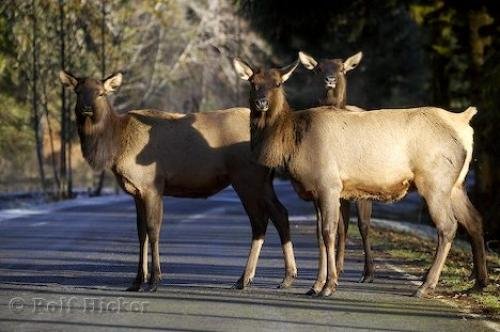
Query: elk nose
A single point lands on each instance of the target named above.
(330, 81)
(262, 105)
(87, 110)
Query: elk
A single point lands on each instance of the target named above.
(334, 73)
(427, 148)
(154, 154)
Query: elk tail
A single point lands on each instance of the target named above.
(468, 113)
(465, 135)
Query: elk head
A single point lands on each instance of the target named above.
(332, 70)
(266, 90)
(96, 121)
(91, 101)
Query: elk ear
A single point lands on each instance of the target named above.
(307, 60)
(67, 79)
(113, 82)
(287, 71)
(243, 69)
(353, 61)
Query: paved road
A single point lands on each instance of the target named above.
(66, 270)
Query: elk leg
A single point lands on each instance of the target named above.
(256, 211)
(153, 205)
(364, 214)
(446, 224)
(259, 226)
(279, 217)
(470, 219)
(142, 268)
(322, 259)
(345, 209)
(329, 206)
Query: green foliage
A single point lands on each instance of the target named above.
(488, 145)
(15, 135)
(16, 138)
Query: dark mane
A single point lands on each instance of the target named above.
(100, 142)
(277, 136)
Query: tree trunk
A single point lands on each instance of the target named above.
(100, 181)
(51, 136)
(486, 192)
(440, 82)
(69, 136)
(63, 190)
(36, 116)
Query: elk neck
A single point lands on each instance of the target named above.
(337, 96)
(276, 134)
(100, 141)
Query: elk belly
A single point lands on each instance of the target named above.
(196, 186)
(388, 192)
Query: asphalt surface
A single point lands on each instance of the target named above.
(67, 270)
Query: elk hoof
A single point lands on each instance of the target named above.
(327, 291)
(478, 287)
(423, 292)
(312, 292)
(151, 288)
(240, 284)
(366, 277)
(316, 288)
(287, 281)
(481, 282)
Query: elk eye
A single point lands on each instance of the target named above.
(278, 84)
(102, 93)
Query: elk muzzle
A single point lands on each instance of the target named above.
(262, 105)
(87, 111)
(330, 82)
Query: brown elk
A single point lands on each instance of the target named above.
(427, 148)
(334, 73)
(154, 154)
